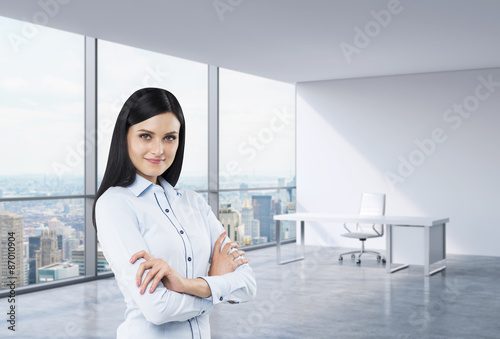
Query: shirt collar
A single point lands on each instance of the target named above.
(172, 193)
(142, 184)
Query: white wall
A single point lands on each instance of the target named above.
(352, 133)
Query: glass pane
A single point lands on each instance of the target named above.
(102, 263)
(48, 239)
(123, 69)
(257, 131)
(247, 216)
(42, 112)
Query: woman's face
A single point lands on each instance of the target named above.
(152, 144)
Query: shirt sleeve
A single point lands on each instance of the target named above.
(120, 237)
(235, 287)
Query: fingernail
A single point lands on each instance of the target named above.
(141, 291)
(151, 290)
(131, 259)
(138, 283)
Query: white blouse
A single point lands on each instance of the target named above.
(179, 227)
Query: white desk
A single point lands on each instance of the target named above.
(429, 240)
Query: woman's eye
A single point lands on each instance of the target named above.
(170, 138)
(145, 136)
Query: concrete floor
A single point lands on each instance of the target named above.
(318, 297)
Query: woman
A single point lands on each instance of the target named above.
(169, 253)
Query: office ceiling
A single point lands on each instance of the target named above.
(290, 40)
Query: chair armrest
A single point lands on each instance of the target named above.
(345, 226)
(380, 234)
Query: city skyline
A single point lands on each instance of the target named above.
(51, 244)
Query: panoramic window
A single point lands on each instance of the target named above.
(43, 148)
(257, 150)
(43, 203)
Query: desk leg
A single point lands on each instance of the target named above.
(442, 250)
(427, 261)
(278, 243)
(302, 238)
(388, 246)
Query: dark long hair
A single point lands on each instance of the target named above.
(141, 105)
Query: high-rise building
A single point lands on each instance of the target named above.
(69, 244)
(231, 220)
(69, 241)
(26, 255)
(78, 258)
(247, 217)
(291, 191)
(11, 249)
(49, 252)
(281, 193)
(243, 192)
(255, 229)
(57, 271)
(54, 224)
(262, 211)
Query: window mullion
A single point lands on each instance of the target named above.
(213, 138)
(90, 252)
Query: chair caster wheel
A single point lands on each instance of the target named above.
(379, 257)
(383, 260)
(341, 259)
(358, 261)
(353, 256)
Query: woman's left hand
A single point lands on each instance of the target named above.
(223, 260)
(159, 270)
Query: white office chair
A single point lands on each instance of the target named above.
(371, 204)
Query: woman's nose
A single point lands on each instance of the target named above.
(157, 147)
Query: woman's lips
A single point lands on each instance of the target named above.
(155, 161)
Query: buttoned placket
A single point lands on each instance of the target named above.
(164, 205)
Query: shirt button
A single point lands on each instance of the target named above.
(202, 312)
(189, 258)
(167, 210)
(221, 298)
(181, 232)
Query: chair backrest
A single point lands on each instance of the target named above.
(372, 204)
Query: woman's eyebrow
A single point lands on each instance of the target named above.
(145, 130)
(151, 132)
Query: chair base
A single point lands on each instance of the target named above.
(361, 252)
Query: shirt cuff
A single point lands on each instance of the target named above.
(219, 287)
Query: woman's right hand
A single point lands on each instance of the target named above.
(159, 270)
(223, 260)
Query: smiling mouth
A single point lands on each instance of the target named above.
(155, 161)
